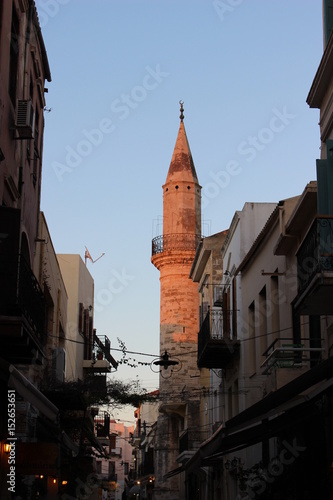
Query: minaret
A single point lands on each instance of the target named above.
(172, 255)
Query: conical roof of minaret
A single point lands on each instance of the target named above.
(182, 165)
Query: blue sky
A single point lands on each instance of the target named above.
(119, 68)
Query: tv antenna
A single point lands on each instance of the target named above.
(88, 256)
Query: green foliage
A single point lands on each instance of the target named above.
(125, 360)
(127, 393)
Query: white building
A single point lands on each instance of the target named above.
(80, 288)
(113, 472)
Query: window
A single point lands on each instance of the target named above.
(315, 339)
(230, 403)
(328, 18)
(234, 309)
(252, 340)
(296, 334)
(263, 320)
(275, 305)
(226, 314)
(236, 397)
(112, 468)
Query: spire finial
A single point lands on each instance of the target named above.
(181, 110)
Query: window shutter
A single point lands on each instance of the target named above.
(325, 182)
(328, 19)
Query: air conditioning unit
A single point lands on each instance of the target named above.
(58, 365)
(25, 119)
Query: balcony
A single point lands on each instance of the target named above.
(96, 365)
(147, 467)
(215, 349)
(175, 242)
(102, 361)
(22, 311)
(285, 353)
(116, 452)
(315, 269)
(189, 443)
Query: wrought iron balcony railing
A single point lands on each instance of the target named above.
(181, 241)
(316, 252)
(21, 295)
(286, 353)
(189, 440)
(211, 328)
(215, 347)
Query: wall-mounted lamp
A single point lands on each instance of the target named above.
(6, 447)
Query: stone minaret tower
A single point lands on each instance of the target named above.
(172, 255)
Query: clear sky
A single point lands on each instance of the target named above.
(119, 68)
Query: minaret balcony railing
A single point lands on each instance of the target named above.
(175, 242)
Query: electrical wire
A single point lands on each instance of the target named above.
(188, 352)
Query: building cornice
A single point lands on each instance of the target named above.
(322, 78)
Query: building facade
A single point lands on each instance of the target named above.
(114, 470)
(79, 340)
(144, 438)
(24, 71)
(33, 294)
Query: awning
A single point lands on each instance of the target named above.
(285, 394)
(135, 490)
(37, 458)
(66, 440)
(268, 418)
(174, 472)
(29, 392)
(260, 432)
(89, 434)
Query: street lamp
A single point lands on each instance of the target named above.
(165, 362)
